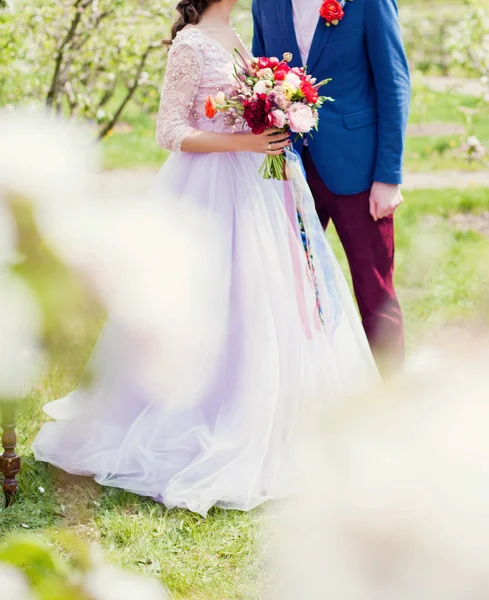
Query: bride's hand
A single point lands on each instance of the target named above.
(273, 142)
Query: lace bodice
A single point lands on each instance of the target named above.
(197, 67)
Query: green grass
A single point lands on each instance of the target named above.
(440, 279)
(439, 152)
(135, 146)
(441, 271)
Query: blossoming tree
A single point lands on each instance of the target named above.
(86, 59)
(469, 46)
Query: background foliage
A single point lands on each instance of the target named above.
(86, 59)
(96, 60)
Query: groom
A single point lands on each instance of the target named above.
(354, 162)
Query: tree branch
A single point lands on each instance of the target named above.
(79, 6)
(477, 63)
(130, 92)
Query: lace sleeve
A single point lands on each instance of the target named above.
(183, 75)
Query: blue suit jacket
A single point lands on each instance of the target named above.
(361, 134)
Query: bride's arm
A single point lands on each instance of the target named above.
(173, 129)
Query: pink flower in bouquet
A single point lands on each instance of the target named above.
(299, 71)
(265, 74)
(278, 118)
(301, 118)
(257, 113)
(278, 98)
(293, 80)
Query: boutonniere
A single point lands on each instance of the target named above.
(332, 11)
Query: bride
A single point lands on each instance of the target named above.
(292, 334)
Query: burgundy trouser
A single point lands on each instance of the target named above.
(369, 247)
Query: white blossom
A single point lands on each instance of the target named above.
(20, 353)
(13, 583)
(110, 583)
(391, 501)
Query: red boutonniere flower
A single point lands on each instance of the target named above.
(332, 12)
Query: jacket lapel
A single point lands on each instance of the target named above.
(286, 21)
(321, 37)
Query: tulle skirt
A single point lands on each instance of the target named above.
(291, 343)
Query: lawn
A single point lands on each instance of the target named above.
(441, 258)
(437, 110)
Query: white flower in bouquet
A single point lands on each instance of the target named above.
(288, 90)
(220, 98)
(293, 80)
(262, 86)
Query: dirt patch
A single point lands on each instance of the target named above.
(122, 127)
(442, 180)
(471, 222)
(435, 129)
(458, 85)
(463, 222)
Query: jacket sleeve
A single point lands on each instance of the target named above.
(392, 81)
(258, 38)
(182, 79)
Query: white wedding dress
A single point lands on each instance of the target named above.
(293, 339)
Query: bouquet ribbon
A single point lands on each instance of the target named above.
(292, 195)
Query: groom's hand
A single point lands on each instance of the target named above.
(384, 199)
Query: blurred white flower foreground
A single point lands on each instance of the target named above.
(150, 262)
(392, 500)
(13, 584)
(91, 579)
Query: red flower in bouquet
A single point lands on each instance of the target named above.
(210, 107)
(310, 92)
(257, 113)
(332, 12)
(282, 71)
(268, 63)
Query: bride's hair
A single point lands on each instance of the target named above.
(191, 12)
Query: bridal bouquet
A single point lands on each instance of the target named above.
(269, 93)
